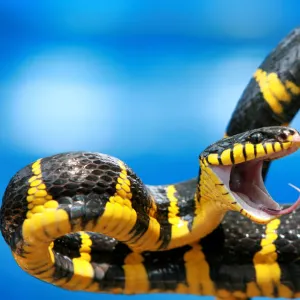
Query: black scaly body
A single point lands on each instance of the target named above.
(237, 260)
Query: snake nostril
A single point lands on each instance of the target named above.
(291, 131)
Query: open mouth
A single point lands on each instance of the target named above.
(248, 188)
(245, 183)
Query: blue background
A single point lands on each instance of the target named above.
(149, 82)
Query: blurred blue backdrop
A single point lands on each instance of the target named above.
(151, 82)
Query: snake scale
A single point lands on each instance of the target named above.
(85, 221)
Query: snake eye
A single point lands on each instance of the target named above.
(256, 138)
(282, 137)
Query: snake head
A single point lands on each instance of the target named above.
(235, 164)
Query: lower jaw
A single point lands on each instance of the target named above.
(254, 214)
(263, 214)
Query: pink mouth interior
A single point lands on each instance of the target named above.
(247, 185)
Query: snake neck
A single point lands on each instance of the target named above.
(199, 213)
(208, 216)
(187, 210)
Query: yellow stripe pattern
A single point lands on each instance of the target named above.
(38, 198)
(267, 269)
(274, 91)
(119, 217)
(244, 152)
(43, 223)
(82, 278)
(197, 272)
(118, 210)
(179, 228)
(136, 277)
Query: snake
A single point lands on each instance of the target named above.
(85, 221)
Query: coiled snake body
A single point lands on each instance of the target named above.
(85, 221)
